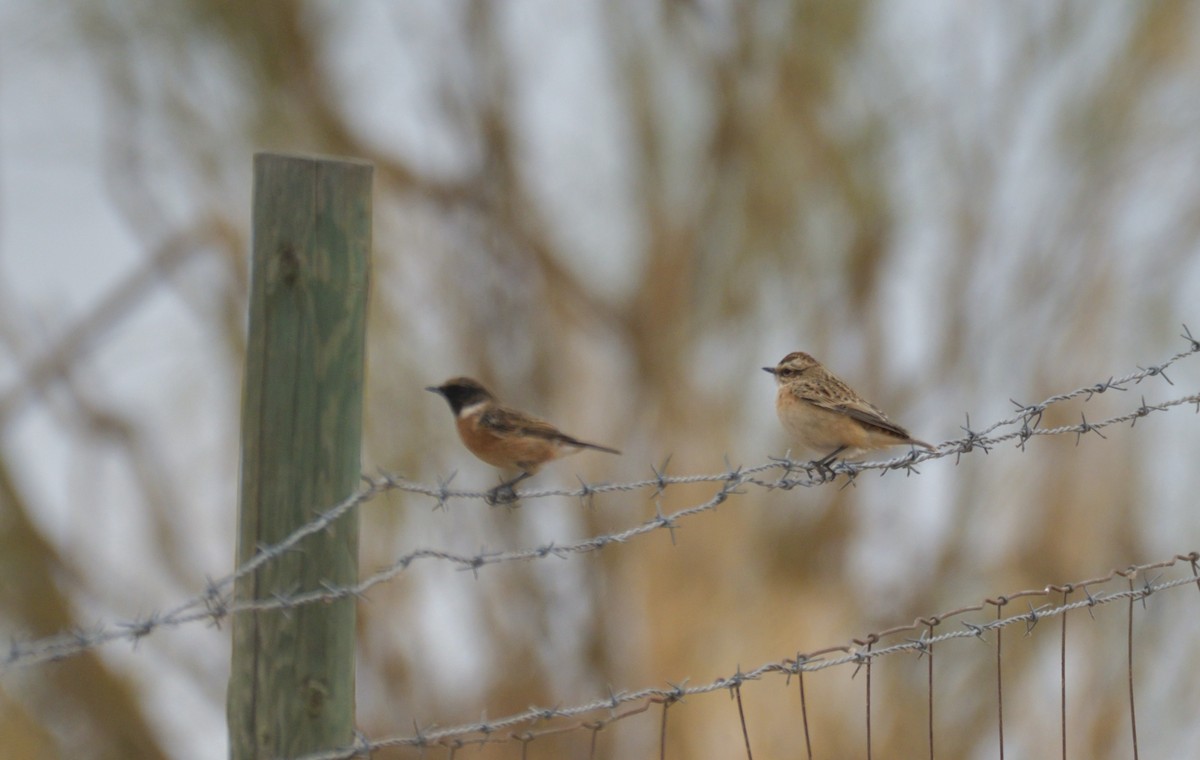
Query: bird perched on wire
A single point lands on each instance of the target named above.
(505, 437)
(822, 413)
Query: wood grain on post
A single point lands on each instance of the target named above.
(291, 688)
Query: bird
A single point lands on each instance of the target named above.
(824, 414)
(504, 437)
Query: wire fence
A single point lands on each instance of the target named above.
(859, 653)
(214, 604)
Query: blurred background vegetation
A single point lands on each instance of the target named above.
(613, 213)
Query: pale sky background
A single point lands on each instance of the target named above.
(979, 132)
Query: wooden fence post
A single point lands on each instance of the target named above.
(291, 689)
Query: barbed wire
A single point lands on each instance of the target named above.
(858, 652)
(215, 603)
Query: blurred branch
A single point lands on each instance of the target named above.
(108, 718)
(80, 339)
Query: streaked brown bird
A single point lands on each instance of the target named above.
(505, 437)
(824, 414)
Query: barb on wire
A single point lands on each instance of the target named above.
(855, 652)
(216, 602)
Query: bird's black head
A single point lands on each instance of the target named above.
(461, 392)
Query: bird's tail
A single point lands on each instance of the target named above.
(585, 445)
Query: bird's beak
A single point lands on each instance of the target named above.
(769, 369)
(435, 389)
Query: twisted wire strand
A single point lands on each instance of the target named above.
(215, 603)
(857, 652)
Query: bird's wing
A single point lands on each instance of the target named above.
(505, 420)
(838, 397)
(872, 417)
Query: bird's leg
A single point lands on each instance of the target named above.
(912, 452)
(823, 464)
(504, 493)
(828, 458)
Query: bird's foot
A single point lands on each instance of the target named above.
(824, 465)
(505, 493)
(502, 494)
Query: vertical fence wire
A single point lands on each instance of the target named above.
(869, 660)
(930, 653)
(1000, 682)
(737, 691)
(804, 707)
(1062, 677)
(859, 653)
(1129, 650)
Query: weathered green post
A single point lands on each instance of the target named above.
(291, 689)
